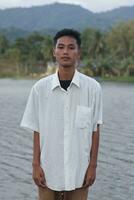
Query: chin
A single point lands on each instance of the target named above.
(66, 66)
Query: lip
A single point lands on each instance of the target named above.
(65, 58)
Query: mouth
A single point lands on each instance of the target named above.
(65, 58)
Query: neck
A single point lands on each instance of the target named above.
(66, 73)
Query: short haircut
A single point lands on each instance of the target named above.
(68, 32)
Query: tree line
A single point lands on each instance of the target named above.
(104, 54)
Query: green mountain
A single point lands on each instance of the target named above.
(50, 18)
(46, 17)
(110, 18)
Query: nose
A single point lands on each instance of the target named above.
(65, 50)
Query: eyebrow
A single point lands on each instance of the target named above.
(62, 44)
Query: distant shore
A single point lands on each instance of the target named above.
(129, 79)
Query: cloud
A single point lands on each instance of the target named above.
(96, 5)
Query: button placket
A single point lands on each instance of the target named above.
(66, 137)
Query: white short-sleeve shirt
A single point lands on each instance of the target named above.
(65, 121)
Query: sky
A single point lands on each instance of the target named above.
(92, 5)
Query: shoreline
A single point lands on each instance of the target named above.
(121, 79)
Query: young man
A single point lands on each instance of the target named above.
(65, 110)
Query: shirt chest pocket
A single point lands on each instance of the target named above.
(83, 117)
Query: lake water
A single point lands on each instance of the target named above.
(115, 172)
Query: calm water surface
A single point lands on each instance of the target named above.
(115, 172)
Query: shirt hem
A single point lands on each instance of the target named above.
(28, 128)
(63, 189)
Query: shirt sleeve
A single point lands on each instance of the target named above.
(30, 119)
(97, 112)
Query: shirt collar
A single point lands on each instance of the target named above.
(56, 82)
(75, 79)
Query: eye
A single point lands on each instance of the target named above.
(72, 47)
(60, 47)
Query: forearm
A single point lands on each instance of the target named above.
(94, 148)
(36, 149)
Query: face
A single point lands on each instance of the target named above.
(67, 52)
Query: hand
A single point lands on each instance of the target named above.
(90, 176)
(38, 176)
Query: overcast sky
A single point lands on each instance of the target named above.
(93, 5)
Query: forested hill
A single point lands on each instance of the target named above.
(58, 15)
(53, 16)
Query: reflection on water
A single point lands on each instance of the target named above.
(115, 172)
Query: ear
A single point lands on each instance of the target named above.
(79, 53)
(54, 52)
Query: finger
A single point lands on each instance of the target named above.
(84, 183)
(42, 175)
(42, 184)
(42, 181)
(36, 181)
(90, 182)
(42, 178)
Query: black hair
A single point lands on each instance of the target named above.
(68, 32)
